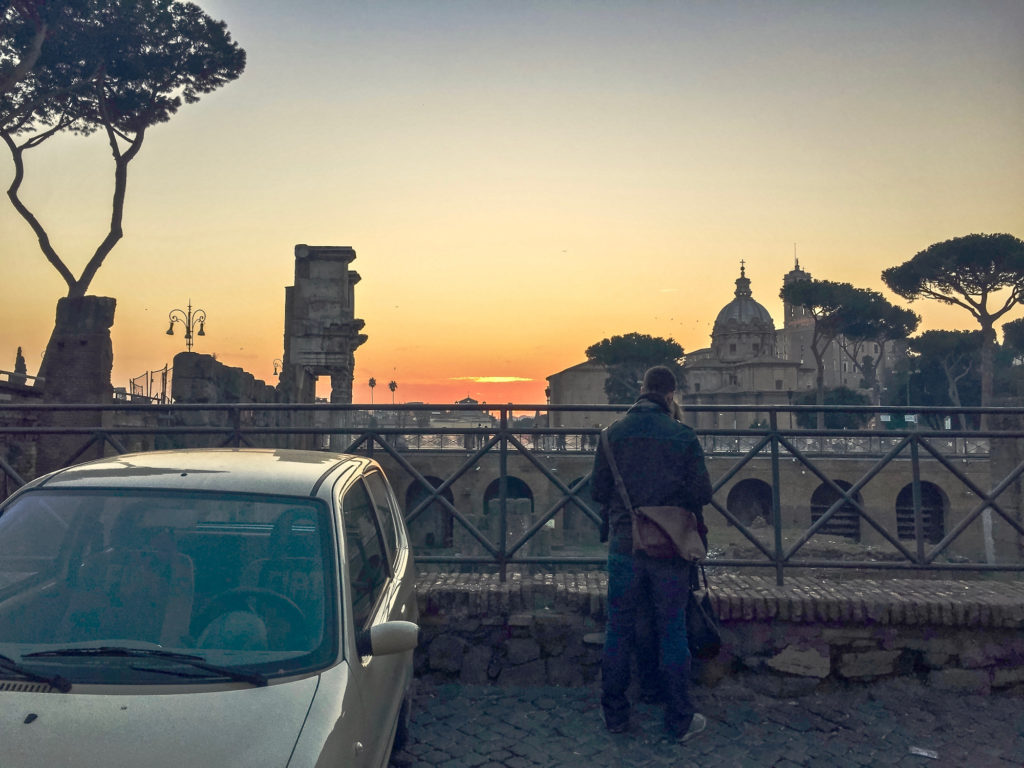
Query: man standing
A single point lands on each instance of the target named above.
(661, 464)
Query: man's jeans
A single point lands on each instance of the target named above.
(665, 584)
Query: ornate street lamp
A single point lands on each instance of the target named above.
(278, 367)
(189, 319)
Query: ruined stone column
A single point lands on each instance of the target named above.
(76, 370)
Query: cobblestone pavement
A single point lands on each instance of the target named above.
(892, 723)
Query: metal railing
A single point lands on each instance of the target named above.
(389, 431)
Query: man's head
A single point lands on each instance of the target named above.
(659, 381)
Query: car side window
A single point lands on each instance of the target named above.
(368, 568)
(385, 512)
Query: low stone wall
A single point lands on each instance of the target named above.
(548, 629)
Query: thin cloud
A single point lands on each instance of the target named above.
(490, 379)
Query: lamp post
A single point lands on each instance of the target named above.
(189, 318)
(278, 367)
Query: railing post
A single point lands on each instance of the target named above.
(503, 494)
(915, 468)
(773, 418)
(236, 425)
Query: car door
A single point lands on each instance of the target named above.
(368, 567)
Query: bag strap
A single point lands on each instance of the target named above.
(615, 469)
(704, 576)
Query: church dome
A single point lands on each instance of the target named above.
(742, 312)
(743, 329)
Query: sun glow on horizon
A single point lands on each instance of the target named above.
(523, 180)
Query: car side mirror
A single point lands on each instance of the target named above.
(387, 638)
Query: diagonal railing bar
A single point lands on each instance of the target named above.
(95, 437)
(988, 498)
(770, 558)
(729, 516)
(568, 496)
(435, 494)
(742, 462)
(986, 502)
(846, 496)
(10, 472)
(540, 523)
(237, 426)
(365, 437)
(117, 444)
(436, 491)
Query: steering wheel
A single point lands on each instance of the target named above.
(284, 620)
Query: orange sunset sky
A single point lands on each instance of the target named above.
(521, 179)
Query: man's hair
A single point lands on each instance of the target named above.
(660, 380)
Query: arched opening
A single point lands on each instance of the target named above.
(749, 500)
(432, 528)
(845, 521)
(519, 496)
(933, 512)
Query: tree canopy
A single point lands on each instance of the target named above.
(957, 354)
(984, 274)
(870, 318)
(858, 314)
(628, 357)
(834, 419)
(117, 67)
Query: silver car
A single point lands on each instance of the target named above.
(205, 608)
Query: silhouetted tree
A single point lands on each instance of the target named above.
(112, 67)
(119, 68)
(967, 272)
(838, 308)
(627, 357)
(833, 419)
(1013, 336)
(871, 318)
(957, 354)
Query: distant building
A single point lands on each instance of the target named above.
(581, 384)
(749, 362)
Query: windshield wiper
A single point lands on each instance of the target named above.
(255, 678)
(55, 681)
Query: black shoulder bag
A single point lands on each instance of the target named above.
(658, 531)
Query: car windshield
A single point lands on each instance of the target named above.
(240, 582)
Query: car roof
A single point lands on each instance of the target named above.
(250, 470)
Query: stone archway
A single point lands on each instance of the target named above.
(518, 511)
(750, 499)
(846, 520)
(933, 512)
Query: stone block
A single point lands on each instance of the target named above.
(1005, 676)
(747, 639)
(475, 664)
(965, 680)
(521, 650)
(867, 664)
(805, 662)
(446, 652)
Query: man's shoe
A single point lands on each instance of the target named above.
(697, 726)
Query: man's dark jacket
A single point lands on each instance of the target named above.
(661, 463)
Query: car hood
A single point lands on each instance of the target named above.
(237, 727)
